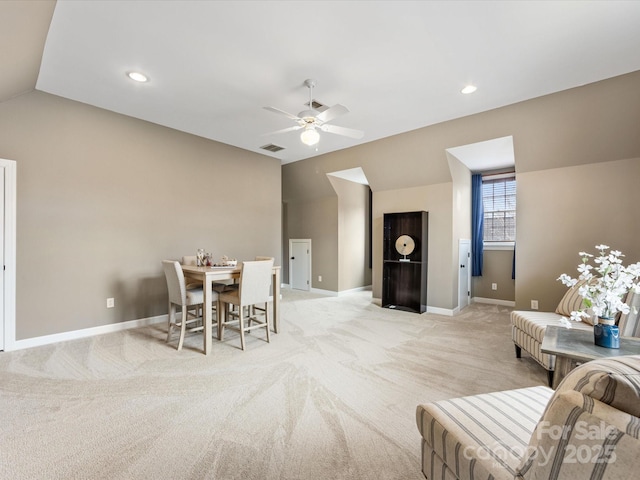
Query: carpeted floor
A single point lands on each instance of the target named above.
(332, 397)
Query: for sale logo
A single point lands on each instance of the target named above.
(583, 443)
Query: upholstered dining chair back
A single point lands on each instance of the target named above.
(259, 259)
(255, 281)
(175, 282)
(189, 260)
(188, 299)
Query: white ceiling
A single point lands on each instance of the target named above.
(397, 66)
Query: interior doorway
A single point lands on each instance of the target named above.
(300, 264)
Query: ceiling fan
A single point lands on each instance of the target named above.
(311, 120)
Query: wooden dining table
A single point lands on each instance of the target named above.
(208, 275)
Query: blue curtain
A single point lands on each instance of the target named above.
(477, 225)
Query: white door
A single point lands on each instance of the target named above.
(7, 254)
(300, 264)
(464, 273)
(2, 326)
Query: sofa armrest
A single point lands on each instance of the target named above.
(480, 436)
(579, 437)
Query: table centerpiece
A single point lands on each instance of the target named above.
(603, 287)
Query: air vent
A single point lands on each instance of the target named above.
(316, 105)
(272, 148)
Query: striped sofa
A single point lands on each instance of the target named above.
(528, 327)
(588, 428)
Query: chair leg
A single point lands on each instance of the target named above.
(266, 321)
(218, 319)
(183, 327)
(518, 351)
(241, 324)
(171, 320)
(222, 321)
(550, 378)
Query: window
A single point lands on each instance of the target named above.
(499, 201)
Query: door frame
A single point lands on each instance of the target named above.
(306, 240)
(467, 242)
(8, 322)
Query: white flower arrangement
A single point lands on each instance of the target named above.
(603, 292)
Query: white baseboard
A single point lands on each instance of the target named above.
(442, 311)
(354, 290)
(86, 332)
(436, 310)
(329, 293)
(494, 301)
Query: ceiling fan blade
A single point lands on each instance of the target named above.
(282, 112)
(347, 132)
(331, 113)
(284, 130)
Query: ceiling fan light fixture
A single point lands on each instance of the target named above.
(310, 136)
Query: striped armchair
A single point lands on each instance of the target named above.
(588, 428)
(528, 327)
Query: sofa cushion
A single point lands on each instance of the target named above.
(481, 436)
(572, 302)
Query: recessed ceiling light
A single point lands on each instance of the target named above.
(137, 76)
(468, 89)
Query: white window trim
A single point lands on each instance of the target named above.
(499, 245)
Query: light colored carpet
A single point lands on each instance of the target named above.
(332, 397)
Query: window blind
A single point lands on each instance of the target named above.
(499, 200)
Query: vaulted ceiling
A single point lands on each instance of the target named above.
(396, 65)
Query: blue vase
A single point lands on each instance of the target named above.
(607, 336)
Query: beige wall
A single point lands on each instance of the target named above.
(461, 176)
(589, 125)
(496, 268)
(437, 200)
(317, 220)
(103, 198)
(353, 212)
(564, 211)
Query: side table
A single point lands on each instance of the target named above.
(573, 347)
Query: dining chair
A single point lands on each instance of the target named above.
(254, 286)
(266, 305)
(188, 299)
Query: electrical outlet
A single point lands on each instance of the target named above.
(534, 304)
(319, 278)
(111, 303)
(494, 286)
